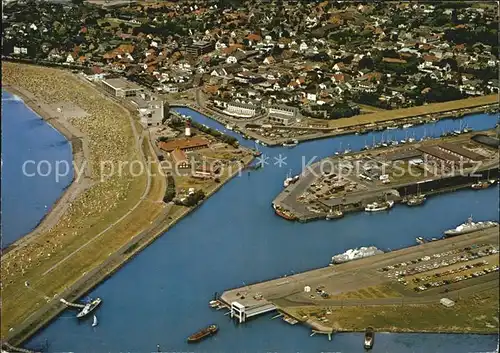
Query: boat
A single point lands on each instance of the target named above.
(229, 127)
(406, 126)
(334, 214)
(95, 322)
(214, 303)
(284, 214)
(469, 227)
(379, 206)
(420, 240)
(203, 333)
(416, 200)
(369, 338)
(89, 307)
(291, 143)
(392, 127)
(290, 180)
(355, 254)
(481, 185)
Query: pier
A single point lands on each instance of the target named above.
(327, 287)
(353, 180)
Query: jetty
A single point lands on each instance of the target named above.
(351, 181)
(315, 297)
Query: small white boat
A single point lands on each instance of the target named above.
(406, 126)
(392, 127)
(95, 322)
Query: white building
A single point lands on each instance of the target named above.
(241, 110)
(122, 88)
(283, 110)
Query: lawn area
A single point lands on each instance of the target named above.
(386, 115)
(478, 313)
(381, 291)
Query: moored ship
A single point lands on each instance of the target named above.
(334, 214)
(284, 214)
(203, 333)
(354, 254)
(416, 200)
(379, 206)
(291, 143)
(469, 227)
(89, 307)
(481, 185)
(369, 338)
(290, 180)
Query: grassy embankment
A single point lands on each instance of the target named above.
(434, 108)
(477, 313)
(75, 245)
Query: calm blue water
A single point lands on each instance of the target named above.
(26, 137)
(162, 296)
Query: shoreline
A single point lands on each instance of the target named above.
(347, 128)
(45, 315)
(80, 157)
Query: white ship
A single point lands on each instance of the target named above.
(379, 206)
(406, 126)
(355, 254)
(469, 227)
(89, 308)
(290, 180)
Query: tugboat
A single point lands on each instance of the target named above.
(89, 308)
(369, 338)
(204, 333)
(379, 206)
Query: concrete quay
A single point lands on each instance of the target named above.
(340, 182)
(289, 292)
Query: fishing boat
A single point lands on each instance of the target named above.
(334, 214)
(480, 185)
(95, 322)
(291, 143)
(89, 307)
(420, 240)
(369, 338)
(406, 126)
(392, 127)
(417, 199)
(203, 333)
(379, 206)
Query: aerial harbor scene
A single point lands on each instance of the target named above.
(249, 176)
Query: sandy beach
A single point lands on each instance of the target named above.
(80, 153)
